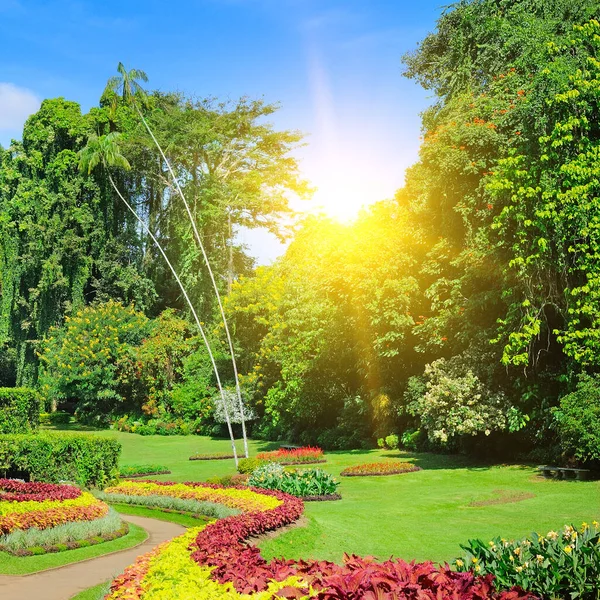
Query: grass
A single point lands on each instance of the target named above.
(14, 565)
(161, 515)
(421, 515)
(94, 593)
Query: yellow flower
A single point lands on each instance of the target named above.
(459, 563)
(517, 551)
(552, 535)
(518, 569)
(474, 560)
(539, 558)
(568, 549)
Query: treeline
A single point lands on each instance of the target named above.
(463, 313)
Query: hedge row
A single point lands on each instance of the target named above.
(87, 460)
(19, 410)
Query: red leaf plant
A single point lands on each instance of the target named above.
(12, 490)
(222, 545)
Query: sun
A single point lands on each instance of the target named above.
(345, 187)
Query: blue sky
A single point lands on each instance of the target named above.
(333, 65)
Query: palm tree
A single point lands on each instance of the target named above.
(126, 86)
(104, 151)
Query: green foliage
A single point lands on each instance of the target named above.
(19, 410)
(248, 465)
(87, 460)
(557, 565)
(578, 421)
(300, 482)
(55, 418)
(138, 470)
(91, 360)
(391, 441)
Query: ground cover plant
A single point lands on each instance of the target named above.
(303, 483)
(564, 564)
(379, 468)
(296, 456)
(205, 562)
(142, 470)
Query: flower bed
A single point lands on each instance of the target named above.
(379, 468)
(214, 456)
(313, 483)
(36, 518)
(13, 490)
(70, 545)
(298, 456)
(216, 562)
(132, 471)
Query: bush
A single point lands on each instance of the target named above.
(411, 439)
(247, 465)
(87, 460)
(457, 402)
(578, 421)
(557, 565)
(55, 418)
(301, 483)
(143, 470)
(19, 410)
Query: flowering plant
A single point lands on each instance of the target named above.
(296, 456)
(555, 565)
(379, 468)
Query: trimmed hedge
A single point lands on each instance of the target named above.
(88, 460)
(19, 410)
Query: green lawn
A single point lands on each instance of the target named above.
(421, 515)
(94, 593)
(142, 511)
(14, 565)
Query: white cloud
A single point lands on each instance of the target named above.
(16, 104)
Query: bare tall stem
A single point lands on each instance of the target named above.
(191, 306)
(210, 271)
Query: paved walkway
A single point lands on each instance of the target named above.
(64, 582)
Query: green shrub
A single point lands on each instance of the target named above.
(558, 565)
(88, 460)
(19, 410)
(578, 421)
(55, 418)
(392, 441)
(411, 439)
(247, 465)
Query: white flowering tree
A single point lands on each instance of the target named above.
(457, 403)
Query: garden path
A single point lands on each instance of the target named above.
(64, 582)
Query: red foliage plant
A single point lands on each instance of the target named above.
(12, 490)
(222, 545)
